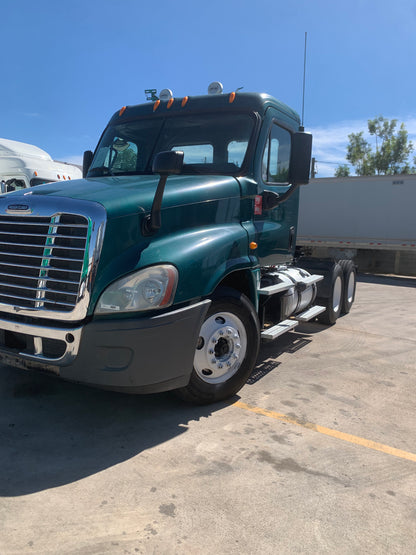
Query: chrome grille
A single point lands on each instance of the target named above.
(42, 260)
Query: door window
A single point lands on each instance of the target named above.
(276, 157)
(13, 185)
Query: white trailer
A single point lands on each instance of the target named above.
(23, 165)
(370, 219)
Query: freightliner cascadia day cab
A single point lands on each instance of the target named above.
(168, 263)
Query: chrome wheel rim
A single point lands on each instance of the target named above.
(351, 287)
(221, 348)
(337, 296)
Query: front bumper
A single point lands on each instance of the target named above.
(138, 355)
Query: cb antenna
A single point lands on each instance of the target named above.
(304, 79)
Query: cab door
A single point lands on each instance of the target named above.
(275, 223)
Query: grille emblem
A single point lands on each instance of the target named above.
(18, 209)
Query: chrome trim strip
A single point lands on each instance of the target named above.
(46, 257)
(62, 248)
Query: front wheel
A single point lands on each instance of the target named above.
(226, 351)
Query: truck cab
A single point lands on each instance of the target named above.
(165, 266)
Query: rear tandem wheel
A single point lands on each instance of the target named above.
(350, 281)
(333, 303)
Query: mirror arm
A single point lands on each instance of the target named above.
(152, 222)
(165, 164)
(273, 200)
(289, 193)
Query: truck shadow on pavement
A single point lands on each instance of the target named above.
(270, 351)
(53, 433)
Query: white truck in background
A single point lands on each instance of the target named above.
(368, 219)
(23, 165)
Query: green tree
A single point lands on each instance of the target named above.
(342, 171)
(359, 154)
(392, 149)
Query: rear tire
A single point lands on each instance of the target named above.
(227, 349)
(350, 281)
(333, 303)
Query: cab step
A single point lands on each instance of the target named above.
(273, 289)
(312, 312)
(314, 278)
(279, 329)
(280, 287)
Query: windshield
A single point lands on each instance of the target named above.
(212, 143)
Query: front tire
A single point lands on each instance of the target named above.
(227, 349)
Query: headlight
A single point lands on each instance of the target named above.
(147, 289)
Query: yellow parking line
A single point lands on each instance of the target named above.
(329, 432)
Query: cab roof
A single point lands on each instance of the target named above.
(9, 148)
(257, 102)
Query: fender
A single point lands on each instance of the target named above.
(203, 256)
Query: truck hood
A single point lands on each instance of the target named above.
(125, 195)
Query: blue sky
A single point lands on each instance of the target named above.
(68, 65)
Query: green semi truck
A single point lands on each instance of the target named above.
(175, 255)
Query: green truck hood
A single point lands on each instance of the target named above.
(198, 211)
(125, 195)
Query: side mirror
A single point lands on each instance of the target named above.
(165, 163)
(86, 163)
(300, 158)
(168, 162)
